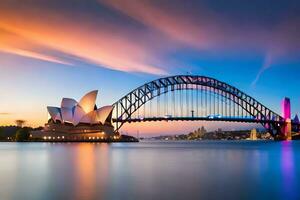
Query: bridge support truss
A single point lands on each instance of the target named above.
(220, 102)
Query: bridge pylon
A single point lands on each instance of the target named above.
(288, 129)
(286, 114)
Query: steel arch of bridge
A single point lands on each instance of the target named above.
(130, 103)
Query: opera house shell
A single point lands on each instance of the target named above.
(78, 120)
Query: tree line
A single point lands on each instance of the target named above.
(15, 133)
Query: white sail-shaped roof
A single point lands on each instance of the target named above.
(68, 103)
(54, 113)
(82, 112)
(88, 101)
(78, 114)
(67, 114)
(90, 118)
(103, 113)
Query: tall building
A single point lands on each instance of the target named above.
(253, 134)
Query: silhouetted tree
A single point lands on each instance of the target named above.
(20, 122)
(22, 134)
(2, 136)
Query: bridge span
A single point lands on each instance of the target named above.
(191, 98)
(223, 119)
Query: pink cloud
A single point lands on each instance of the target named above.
(35, 55)
(179, 26)
(14, 44)
(117, 44)
(210, 31)
(203, 29)
(98, 43)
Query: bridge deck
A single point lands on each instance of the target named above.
(246, 120)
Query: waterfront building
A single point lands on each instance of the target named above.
(253, 134)
(77, 121)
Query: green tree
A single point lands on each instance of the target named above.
(22, 134)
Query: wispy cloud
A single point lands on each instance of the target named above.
(99, 43)
(15, 44)
(284, 42)
(4, 113)
(198, 27)
(267, 64)
(204, 29)
(35, 55)
(140, 40)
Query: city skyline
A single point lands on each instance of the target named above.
(49, 50)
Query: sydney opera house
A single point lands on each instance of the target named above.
(77, 121)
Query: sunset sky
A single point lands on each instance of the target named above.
(51, 49)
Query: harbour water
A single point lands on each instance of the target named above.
(150, 170)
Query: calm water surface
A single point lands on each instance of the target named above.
(150, 170)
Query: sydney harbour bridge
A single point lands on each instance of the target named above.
(191, 98)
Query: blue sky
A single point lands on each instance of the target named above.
(50, 50)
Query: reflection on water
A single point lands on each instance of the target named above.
(85, 167)
(288, 170)
(150, 170)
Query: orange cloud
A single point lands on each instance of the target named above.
(5, 113)
(34, 55)
(98, 43)
(14, 44)
(44, 33)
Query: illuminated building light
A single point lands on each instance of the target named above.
(45, 138)
(286, 108)
(49, 137)
(63, 137)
